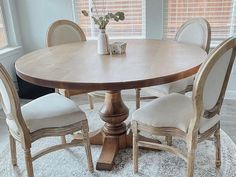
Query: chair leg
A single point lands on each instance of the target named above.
(28, 162)
(57, 90)
(138, 98)
(63, 139)
(13, 150)
(135, 146)
(191, 158)
(169, 140)
(87, 147)
(217, 147)
(90, 99)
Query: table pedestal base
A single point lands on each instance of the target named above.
(111, 146)
(113, 135)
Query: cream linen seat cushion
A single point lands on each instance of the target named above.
(49, 111)
(166, 89)
(174, 110)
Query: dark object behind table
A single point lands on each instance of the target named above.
(31, 91)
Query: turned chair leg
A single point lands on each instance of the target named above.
(191, 158)
(13, 150)
(28, 162)
(135, 146)
(87, 147)
(63, 139)
(217, 147)
(138, 98)
(169, 140)
(90, 99)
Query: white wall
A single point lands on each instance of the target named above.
(35, 16)
(8, 61)
(154, 19)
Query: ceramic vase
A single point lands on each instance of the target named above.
(102, 43)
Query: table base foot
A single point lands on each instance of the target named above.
(111, 146)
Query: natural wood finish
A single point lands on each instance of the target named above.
(25, 137)
(138, 98)
(113, 113)
(109, 150)
(217, 146)
(206, 46)
(193, 136)
(112, 73)
(169, 140)
(206, 28)
(13, 150)
(58, 23)
(135, 146)
(86, 141)
(66, 92)
(69, 66)
(63, 139)
(29, 162)
(113, 136)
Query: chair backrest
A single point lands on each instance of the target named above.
(195, 31)
(63, 32)
(11, 104)
(211, 82)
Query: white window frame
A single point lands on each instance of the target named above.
(10, 21)
(76, 19)
(214, 43)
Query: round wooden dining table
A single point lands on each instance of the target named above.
(78, 66)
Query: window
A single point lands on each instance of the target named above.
(221, 14)
(132, 27)
(3, 34)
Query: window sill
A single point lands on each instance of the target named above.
(121, 38)
(8, 51)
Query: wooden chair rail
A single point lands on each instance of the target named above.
(52, 149)
(164, 148)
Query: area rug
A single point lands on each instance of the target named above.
(72, 162)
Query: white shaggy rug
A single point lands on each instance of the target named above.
(72, 162)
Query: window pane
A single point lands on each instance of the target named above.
(220, 14)
(132, 26)
(3, 36)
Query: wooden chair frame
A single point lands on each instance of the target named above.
(65, 92)
(26, 138)
(193, 136)
(204, 23)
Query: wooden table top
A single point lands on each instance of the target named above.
(78, 66)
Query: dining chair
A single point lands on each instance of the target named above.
(202, 37)
(49, 115)
(63, 32)
(193, 119)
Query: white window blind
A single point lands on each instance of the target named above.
(3, 34)
(221, 14)
(132, 27)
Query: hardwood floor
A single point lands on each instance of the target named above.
(228, 121)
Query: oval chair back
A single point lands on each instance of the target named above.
(63, 32)
(201, 30)
(211, 82)
(11, 105)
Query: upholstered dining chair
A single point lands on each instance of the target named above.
(192, 119)
(63, 32)
(202, 37)
(50, 115)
